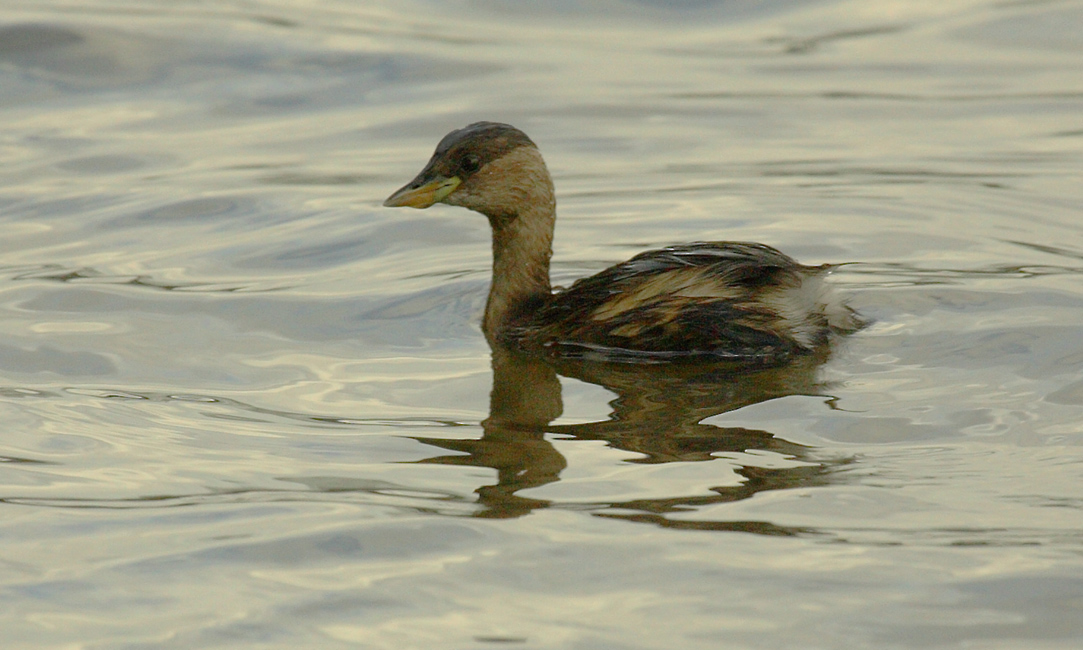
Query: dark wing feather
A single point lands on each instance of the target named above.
(739, 263)
(664, 326)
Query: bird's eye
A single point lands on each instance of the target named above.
(470, 163)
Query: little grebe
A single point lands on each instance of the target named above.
(708, 300)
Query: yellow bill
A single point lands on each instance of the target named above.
(421, 194)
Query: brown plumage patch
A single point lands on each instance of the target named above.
(689, 282)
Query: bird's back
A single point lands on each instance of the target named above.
(719, 300)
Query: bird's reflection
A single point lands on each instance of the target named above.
(658, 414)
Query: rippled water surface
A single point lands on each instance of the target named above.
(245, 406)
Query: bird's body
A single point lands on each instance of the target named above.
(702, 300)
(706, 300)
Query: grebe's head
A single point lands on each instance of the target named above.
(489, 167)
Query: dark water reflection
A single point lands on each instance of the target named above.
(658, 414)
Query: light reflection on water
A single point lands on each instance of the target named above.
(246, 406)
